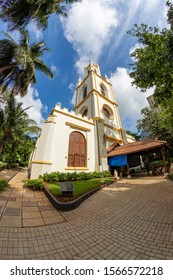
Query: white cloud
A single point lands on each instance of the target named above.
(94, 25)
(88, 27)
(71, 87)
(35, 30)
(81, 63)
(55, 70)
(151, 6)
(98, 29)
(73, 99)
(31, 99)
(130, 99)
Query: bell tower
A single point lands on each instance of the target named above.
(96, 100)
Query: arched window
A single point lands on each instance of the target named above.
(85, 92)
(102, 89)
(85, 113)
(77, 150)
(108, 112)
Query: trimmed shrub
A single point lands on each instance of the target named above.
(84, 176)
(3, 184)
(36, 184)
(96, 174)
(106, 174)
(52, 177)
(2, 165)
(55, 177)
(74, 176)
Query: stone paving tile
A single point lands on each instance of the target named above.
(7, 198)
(46, 208)
(16, 193)
(13, 204)
(29, 204)
(10, 221)
(21, 199)
(31, 215)
(36, 199)
(47, 214)
(131, 219)
(8, 174)
(6, 192)
(33, 222)
(53, 220)
(43, 203)
(2, 208)
(39, 195)
(28, 195)
(12, 211)
(30, 209)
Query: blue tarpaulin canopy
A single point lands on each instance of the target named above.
(117, 160)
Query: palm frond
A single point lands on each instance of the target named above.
(9, 37)
(41, 66)
(18, 13)
(18, 62)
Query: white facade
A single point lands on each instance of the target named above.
(95, 119)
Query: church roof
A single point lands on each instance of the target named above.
(135, 147)
(112, 147)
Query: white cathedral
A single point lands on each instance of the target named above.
(78, 140)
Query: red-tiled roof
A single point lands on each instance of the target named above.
(112, 146)
(135, 147)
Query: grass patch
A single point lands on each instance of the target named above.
(81, 187)
(3, 184)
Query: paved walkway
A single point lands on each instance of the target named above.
(8, 174)
(131, 219)
(21, 207)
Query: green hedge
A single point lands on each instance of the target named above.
(36, 184)
(6, 165)
(55, 177)
(2, 165)
(3, 184)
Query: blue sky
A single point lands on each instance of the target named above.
(94, 30)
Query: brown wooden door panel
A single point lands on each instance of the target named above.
(77, 150)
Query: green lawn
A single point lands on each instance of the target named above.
(81, 187)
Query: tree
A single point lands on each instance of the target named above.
(170, 13)
(135, 135)
(16, 127)
(18, 13)
(153, 59)
(153, 68)
(156, 123)
(20, 156)
(19, 61)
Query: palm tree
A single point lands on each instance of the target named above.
(18, 13)
(15, 125)
(19, 61)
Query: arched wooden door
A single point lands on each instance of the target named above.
(77, 150)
